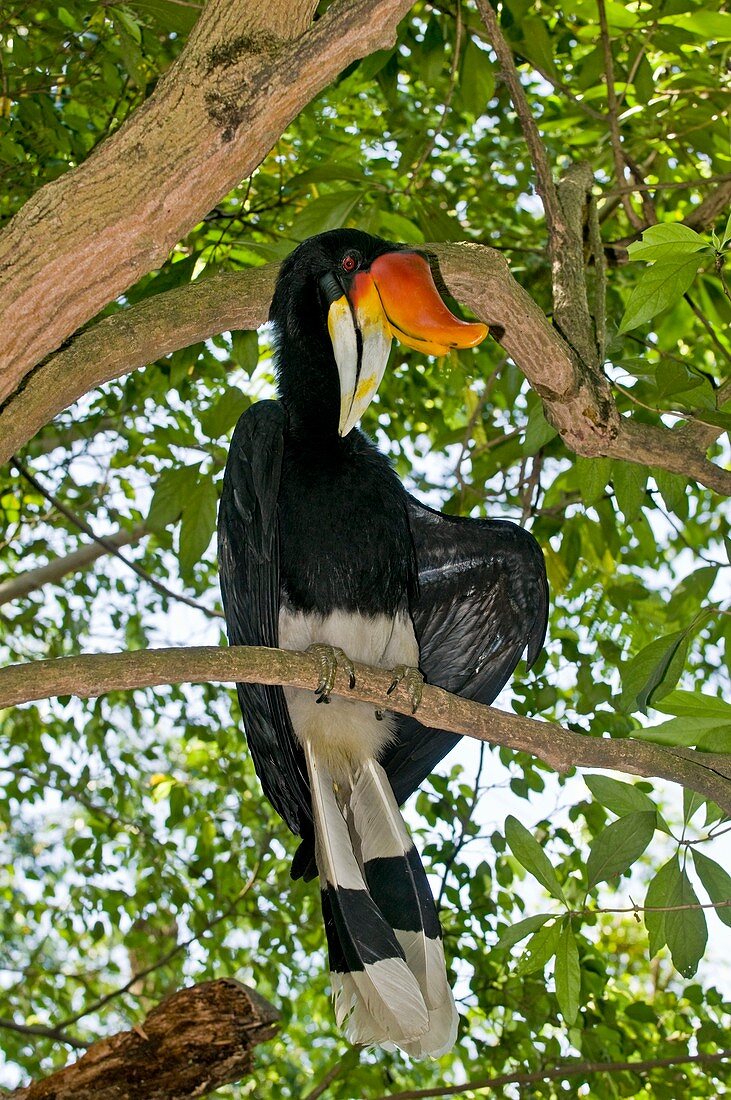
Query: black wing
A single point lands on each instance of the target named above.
(248, 554)
(483, 599)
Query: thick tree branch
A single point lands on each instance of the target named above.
(247, 70)
(133, 338)
(585, 416)
(192, 1043)
(90, 675)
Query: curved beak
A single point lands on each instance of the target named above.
(396, 297)
(416, 314)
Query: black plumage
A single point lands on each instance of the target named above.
(316, 531)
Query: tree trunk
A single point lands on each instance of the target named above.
(246, 72)
(192, 1043)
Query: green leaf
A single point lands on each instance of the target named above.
(654, 671)
(593, 475)
(666, 241)
(326, 212)
(716, 882)
(536, 45)
(568, 974)
(245, 350)
(324, 173)
(540, 948)
(431, 68)
(711, 25)
(530, 855)
(644, 80)
(630, 484)
(692, 802)
(673, 490)
(686, 931)
(173, 489)
(661, 286)
(171, 15)
(685, 731)
(726, 233)
(477, 82)
(620, 845)
(695, 704)
(660, 889)
(538, 431)
(621, 798)
(197, 526)
(519, 931)
(222, 416)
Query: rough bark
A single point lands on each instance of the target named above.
(246, 71)
(577, 399)
(192, 1043)
(89, 675)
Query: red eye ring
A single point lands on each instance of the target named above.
(349, 263)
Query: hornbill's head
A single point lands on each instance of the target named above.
(340, 298)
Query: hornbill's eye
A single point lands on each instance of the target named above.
(350, 261)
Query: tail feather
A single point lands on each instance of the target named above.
(376, 997)
(398, 884)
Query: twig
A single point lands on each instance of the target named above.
(620, 161)
(33, 579)
(109, 544)
(164, 959)
(56, 1033)
(708, 326)
(334, 1072)
(427, 151)
(544, 177)
(567, 1069)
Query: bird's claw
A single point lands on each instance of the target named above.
(413, 682)
(331, 657)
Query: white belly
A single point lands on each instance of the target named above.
(343, 733)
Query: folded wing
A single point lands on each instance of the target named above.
(248, 552)
(483, 601)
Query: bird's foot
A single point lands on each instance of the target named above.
(331, 657)
(413, 682)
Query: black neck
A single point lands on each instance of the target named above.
(307, 379)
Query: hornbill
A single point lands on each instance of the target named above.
(321, 547)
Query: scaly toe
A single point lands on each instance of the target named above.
(413, 682)
(330, 658)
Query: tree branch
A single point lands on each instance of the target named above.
(56, 1033)
(582, 412)
(89, 675)
(108, 545)
(33, 579)
(711, 208)
(568, 1069)
(620, 159)
(544, 176)
(247, 70)
(191, 1044)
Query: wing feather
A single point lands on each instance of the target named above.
(482, 601)
(248, 551)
